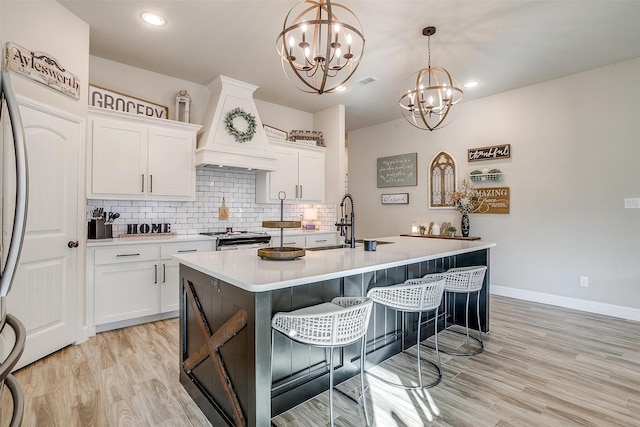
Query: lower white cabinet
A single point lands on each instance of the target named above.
(307, 240)
(316, 240)
(132, 282)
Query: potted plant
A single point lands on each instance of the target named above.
(422, 229)
(452, 231)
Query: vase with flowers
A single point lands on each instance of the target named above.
(463, 199)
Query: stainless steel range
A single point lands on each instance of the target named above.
(226, 241)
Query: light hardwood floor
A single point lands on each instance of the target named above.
(542, 366)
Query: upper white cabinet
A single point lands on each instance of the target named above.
(133, 157)
(299, 173)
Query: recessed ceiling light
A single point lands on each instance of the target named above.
(153, 19)
(471, 84)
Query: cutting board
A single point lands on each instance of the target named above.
(223, 211)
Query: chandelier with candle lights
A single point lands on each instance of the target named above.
(321, 45)
(432, 93)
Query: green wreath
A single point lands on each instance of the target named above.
(251, 125)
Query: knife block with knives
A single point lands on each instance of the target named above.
(98, 229)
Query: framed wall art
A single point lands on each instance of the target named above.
(395, 199)
(275, 133)
(489, 153)
(397, 171)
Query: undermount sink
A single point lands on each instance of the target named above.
(344, 245)
(326, 248)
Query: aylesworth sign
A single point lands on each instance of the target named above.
(42, 68)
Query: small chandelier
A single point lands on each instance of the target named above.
(321, 45)
(431, 94)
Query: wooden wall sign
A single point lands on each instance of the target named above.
(42, 68)
(489, 153)
(395, 199)
(492, 200)
(110, 100)
(397, 171)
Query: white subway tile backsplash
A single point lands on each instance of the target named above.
(238, 190)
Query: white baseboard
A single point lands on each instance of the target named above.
(566, 302)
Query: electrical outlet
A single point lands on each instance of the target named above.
(633, 203)
(584, 281)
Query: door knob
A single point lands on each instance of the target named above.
(72, 244)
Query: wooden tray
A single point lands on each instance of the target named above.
(440, 237)
(281, 224)
(281, 253)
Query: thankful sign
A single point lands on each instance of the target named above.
(489, 153)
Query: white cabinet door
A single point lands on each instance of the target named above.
(285, 177)
(125, 291)
(170, 166)
(311, 176)
(119, 159)
(140, 158)
(317, 240)
(299, 173)
(289, 241)
(170, 271)
(169, 286)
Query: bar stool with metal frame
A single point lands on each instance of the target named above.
(463, 280)
(413, 296)
(339, 323)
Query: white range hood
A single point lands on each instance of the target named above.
(216, 147)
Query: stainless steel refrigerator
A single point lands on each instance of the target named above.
(13, 218)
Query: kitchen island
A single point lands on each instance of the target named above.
(228, 299)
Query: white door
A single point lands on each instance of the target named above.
(43, 295)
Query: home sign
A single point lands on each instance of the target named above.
(148, 228)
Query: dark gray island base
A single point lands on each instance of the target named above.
(225, 338)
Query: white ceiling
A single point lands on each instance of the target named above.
(504, 44)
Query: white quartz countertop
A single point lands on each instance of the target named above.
(151, 239)
(243, 268)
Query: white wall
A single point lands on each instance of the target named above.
(283, 118)
(147, 85)
(575, 147)
(331, 122)
(28, 24)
